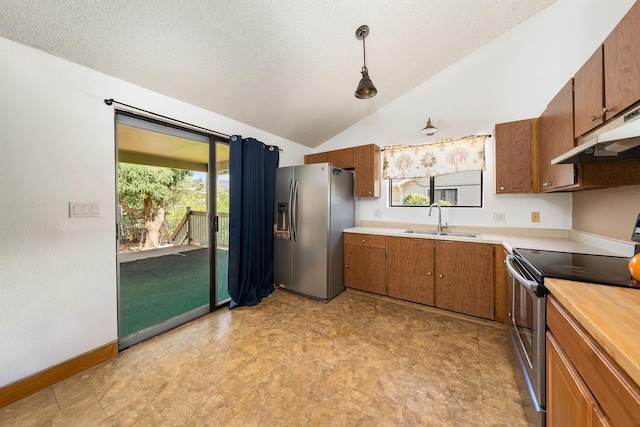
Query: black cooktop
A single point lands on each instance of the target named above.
(601, 269)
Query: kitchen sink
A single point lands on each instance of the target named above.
(444, 233)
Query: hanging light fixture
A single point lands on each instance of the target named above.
(365, 89)
(429, 129)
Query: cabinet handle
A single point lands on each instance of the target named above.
(362, 240)
(440, 276)
(605, 110)
(546, 184)
(429, 274)
(346, 266)
(501, 188)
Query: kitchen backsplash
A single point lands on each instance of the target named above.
(609, 212)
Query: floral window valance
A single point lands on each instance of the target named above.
(437, 158)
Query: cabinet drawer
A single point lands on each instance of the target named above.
(616, 393)
(364, 240)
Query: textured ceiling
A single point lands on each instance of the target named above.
(289, 67)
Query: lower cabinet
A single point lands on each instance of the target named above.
(569, 401)
(364, 262)
(455, 276)
(464, 278)
(410, 269)
(585, 386)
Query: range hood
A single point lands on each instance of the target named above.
(619, 139)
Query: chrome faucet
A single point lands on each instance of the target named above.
(439, 214)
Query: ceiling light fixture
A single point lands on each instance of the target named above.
(365, 89)
(429, 129)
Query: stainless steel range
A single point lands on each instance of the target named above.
(526, 324)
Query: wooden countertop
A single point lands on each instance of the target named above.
(610, 314)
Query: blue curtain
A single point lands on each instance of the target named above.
(252, 186)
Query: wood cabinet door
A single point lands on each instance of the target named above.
(598, 418)
(556, 138)
(410, 269)
(464, 278)
(364, 268)
(367, 171)
(622, 63)
(516, 161)
(316, 158)
(589, 94)
(569, 402)
(343, 158)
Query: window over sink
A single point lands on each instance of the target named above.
(461, 189)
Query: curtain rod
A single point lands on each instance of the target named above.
(488, 136)
(113, 101)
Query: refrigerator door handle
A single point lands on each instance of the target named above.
(290, 208)
(294, 216)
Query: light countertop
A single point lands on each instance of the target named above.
(527, 239)
(610, 314)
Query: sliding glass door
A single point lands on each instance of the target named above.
(170, 258)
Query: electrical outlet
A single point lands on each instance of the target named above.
(498, 216)
(377, 213)
(535, 216)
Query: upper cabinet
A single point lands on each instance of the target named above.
(344, 158)
(622, 63)
(364, 160)
(556, 137)
(516, 157)
(589, 95)
(609, 82)
(367, 171)
(316, 158)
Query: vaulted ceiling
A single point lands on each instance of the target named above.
(289, 67)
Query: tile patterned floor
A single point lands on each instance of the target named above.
(359, 360)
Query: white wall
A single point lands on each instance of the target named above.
(58, 275)
(511, 78)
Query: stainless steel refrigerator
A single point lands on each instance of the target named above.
(313, 204)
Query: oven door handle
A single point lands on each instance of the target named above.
(531, 285)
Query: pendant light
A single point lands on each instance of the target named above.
(365, 89)
(429, 129)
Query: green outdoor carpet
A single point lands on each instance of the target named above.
(153, 290)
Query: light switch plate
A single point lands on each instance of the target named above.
(84, 209)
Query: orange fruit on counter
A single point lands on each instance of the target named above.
(634, 266)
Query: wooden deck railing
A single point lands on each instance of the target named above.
(222, 237)
(193, 228)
